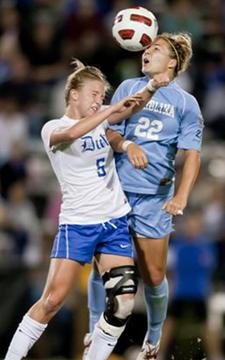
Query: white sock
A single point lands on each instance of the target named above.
(27, 333)
(102, 345)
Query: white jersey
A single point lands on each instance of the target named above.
(85, 169)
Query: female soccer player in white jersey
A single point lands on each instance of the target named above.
(92, 221)
(169, 122)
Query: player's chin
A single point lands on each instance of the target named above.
(145, 70)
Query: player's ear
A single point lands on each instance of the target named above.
(74, 94)
(172, 64)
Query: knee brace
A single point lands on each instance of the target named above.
(118, 282)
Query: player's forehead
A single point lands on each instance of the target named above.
(159, 42)
(97, 86)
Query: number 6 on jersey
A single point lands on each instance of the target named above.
(100, 163)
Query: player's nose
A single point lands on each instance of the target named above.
(98, 100)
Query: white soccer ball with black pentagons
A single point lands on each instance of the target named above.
(135, 28)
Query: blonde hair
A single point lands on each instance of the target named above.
(80, 74)
(181, 46)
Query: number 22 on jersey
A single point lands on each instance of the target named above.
(149, 129)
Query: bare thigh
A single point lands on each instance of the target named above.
(105, 262)
(61, 275)
(152, 258)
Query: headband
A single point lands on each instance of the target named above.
(175, 51)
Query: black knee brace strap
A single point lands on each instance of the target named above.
(127, 272)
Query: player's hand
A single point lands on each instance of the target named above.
(128, 103)
(137, 156)
(175, 206)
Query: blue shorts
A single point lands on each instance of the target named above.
(147, 218)
(82, 242)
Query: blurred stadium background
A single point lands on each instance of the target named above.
(38, 39)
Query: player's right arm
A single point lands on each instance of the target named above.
(83, 126)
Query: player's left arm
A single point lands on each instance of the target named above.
(189, 140)
(191, 166)
(84, 125)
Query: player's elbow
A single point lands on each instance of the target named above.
(73, 135)
(193, 155)
(192, 160)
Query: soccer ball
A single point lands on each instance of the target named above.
(134, 29)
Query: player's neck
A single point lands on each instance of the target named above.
(73, 113)
(169, 73)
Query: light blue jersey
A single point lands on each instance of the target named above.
(171, 120)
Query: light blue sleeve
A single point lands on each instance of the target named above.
(121, 92)
(191, 128)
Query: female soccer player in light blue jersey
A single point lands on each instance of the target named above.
(169, 122)
(92, 220)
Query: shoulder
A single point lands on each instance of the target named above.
(51, 126)
(188, 101)
(48, 126)
(56, 123)
(50, 123)
(191, 104)
(134, 80)
(133, 84)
